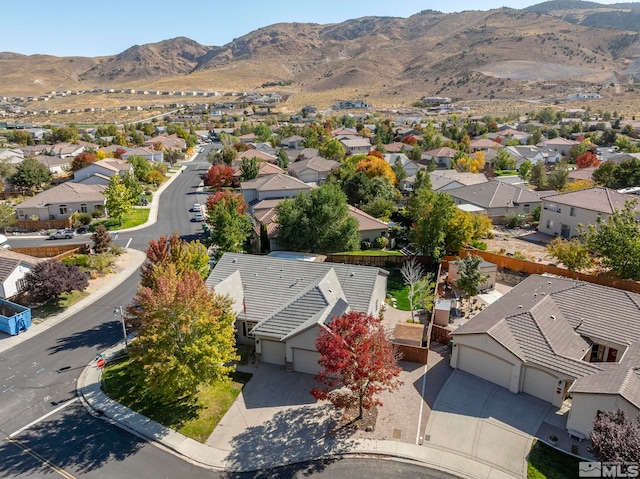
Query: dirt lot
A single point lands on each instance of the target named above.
(509, 241)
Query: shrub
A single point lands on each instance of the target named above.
(514, 220)
(101, 239)
(84, 218)
(49, 279)
(101, 263)
(381, 242)
(365, 245)
(79, 260)
(116, 250)
(96, 214)
(477, 244)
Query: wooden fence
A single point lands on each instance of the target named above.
(41, 225)
(54, 251)
(439, 334)
(379, 261)
(413, 354)
(529, 267)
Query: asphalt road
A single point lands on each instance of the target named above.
(44, 429)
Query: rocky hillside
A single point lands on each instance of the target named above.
(621, 16)
(473, 54)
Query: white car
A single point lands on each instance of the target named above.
(196, 207)
(198, 217)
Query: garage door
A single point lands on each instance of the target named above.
(539, 383)
(305, 361)
(484, 365)
(273, 352)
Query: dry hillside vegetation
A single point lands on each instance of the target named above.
(483, 56)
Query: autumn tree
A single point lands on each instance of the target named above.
(118, 199)
(355, 354)
(82, 160)
(219, 176)
(431, 214)
(101, 239)
(617, 240)
(219, 196)
(466, 164)
(185, 338)
(615, 437)
(49, 279)
(538, 175)
(573, 253)
(183, 255)
(317, 222)
(587, 160)
(373, 166)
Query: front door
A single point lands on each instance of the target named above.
(565, 231)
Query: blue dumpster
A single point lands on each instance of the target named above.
(14, 317)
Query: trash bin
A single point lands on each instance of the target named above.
(450, 346)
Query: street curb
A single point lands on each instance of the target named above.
(133, 265)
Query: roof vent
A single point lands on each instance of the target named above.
(234, 260)
(519, 306)
(553, 318)
(352, 274)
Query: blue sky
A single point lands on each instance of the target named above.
(81, 28)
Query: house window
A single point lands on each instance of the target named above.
(83, 208)
(555, 207)
(63, 209)
(526, 208)
(549, 223)
(21, 213)
(572, 212)
(21, 285)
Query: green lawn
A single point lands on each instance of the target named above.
(506, 172)
(195, 419)
(397, 289)
(56, 305)
(137, 217)
(372, 252)
(547, 462)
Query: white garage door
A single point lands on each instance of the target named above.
(539, 383)
(305, 361)
(484, 365)
(273, 352)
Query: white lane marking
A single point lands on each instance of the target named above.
(128, 243)
(42, 418)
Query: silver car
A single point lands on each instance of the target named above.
(62, 234)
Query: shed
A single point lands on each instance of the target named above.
(442, 311)
(14, 317)
(486, 268)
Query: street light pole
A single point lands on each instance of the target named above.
(118, 311)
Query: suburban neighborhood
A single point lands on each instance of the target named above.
(217, 281)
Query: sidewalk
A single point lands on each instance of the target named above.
(302, 442)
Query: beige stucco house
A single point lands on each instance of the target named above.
(314, 170)
(282, 304)
(61, 201)
(562, 214)
(272, 186)
(101, 171)
(544, 338)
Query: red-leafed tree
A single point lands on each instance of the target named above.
(356, 355)
(219, 196)
(587, 160)
(82, 160)
(118, 152)
(240, 147)
(410, 140)
(219, 176)
(376, 153)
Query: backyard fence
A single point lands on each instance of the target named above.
(413, 354)
(54, 251)
(379, 261)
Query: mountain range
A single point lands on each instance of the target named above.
(500, 53)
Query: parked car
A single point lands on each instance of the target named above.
(198, 217)
(196, 207)
(62, 234)
(82, 229)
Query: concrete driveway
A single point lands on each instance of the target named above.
(486, 422)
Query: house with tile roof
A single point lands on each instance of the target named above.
(543, 339)
(271, 186)
(560, 144)
(441, 157)
(65, 149)
(168, 142)
(257, 154)
(100, 172)
(443, 180)
(60, 202)
(57, 166)
(562, 214)
(357, 145)
(281, 305)
(13, 268)
(397, 147)
(314, 170)
(532, 153)
(145, 152)
(497, 198)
